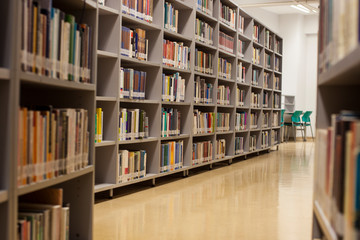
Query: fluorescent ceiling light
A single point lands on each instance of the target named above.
(301, 8)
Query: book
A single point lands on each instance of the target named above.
(204, 32)
(275, 137)
(268, 40)
(171, 17)
(275, 119)
(239, 145)
(240, 97)
(255, 100)
(227, 15)
(222, 122)
(224, 68)
(265, 139)
(134, 43)
(241, 77)
(276, 82)
(132, 165)
(256, 33)
(172, 156)
(176, 54)
(205, 6)
(267, 77)
(203, 91)
(255, 77)
(57, 143)
(241, 24)
(202, 152)
(241, 48)
(170, 122)
(256, 55)
(141, 9)
(266, 97)
(132, 83)
(240, 121)
(252, 143)
(99, 125)
(203, 62)
(276, 100)
(226, 42)
(53, 44)
(223, 95)
(254, 120)
(204, 122)
(277, 64)
(220, 148)
(265, 119)
(133, 124)
(173, 88)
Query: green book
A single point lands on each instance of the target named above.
(71, 19)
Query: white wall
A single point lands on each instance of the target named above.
(271, 20)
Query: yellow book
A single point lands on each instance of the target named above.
(99, 124)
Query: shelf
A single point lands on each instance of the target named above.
(255, 130)
(257, 65)
(258, 45)
(135, 22)
(4, 73)
(276, 127)
(78, 5)
(105, 54)
(174, 69)
(279, 91)
(226, 53)
(204, 45)
(225, 26)
(181, 136)
(204, 74)
(266, 129)
(176, 103)
(276, 109)
(244, 37)
(257, 87)
(278, 54)
(105, 99)
(245, 60)
(103, 187)
(267, 109)
(221, 159)
(224, 133)
(172, 172)
(105, 143)
(267, 89)
(53, 82)
(255, 108)
(139, 101)
(144, 140)
(268, 70)
(203, 134)
(139, 63)
(3, 196)
(177, 36)
(240, 154)
(324, 223)
(243, 84)
(105, 10)
(200, 165)
(269, 50)
(277, 72)
(242, 107)
(204, 105)
(206, 16)
(51, 182)
(344, 72)
(180, 5)
(225, 106)
(241, 131)
(226, 80)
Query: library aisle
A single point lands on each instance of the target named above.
(267, 197)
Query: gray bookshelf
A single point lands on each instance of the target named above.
(106, 165)
(18, 87)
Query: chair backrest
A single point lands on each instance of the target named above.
(295, 118)
(306, 117)
(282, 115)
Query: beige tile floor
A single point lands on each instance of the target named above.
(266, 197)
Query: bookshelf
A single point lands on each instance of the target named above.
(106, 62)
(335, 200)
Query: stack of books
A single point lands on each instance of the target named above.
(133, 124)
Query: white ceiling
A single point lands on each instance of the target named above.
(287, 9)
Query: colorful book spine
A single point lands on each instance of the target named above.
(255, 100)
(222, 122)
(173, 88)
(226, 42)
(241, 49)
(241, 24)
(267, 60)
(204, 122)
(203, 91)
(253, 143)
(131, 165)
(52, 142)
(133, 124)
(227, 15)
(240, 97)
(268, 40)
(256, 33)
(223, 95)
(203, 62)
(53, 44)
(202, 152)
(266, 97)
(170, 122)
(176, 54)
(220, 148)
(265, 119)
(255, 77)
(141, 9)
(204, 32)
(134, 43)
(99, 129)
(267, 77)
(254, 120)
(276, 83)
(132, 83)
(256, 56)
(265, 139)
(240, 121)
(172, 156)
(239, 145)
(277, 48)
(241, 73)
(277, 64)
(205, 6)
(224, 68)
(171, 17)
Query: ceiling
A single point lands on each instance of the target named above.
(278, 6)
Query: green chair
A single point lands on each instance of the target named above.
(306, 122)
(282, 124)
(296, 124)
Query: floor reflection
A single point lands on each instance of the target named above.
(267, 197)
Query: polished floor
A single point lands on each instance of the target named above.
(263, 198)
